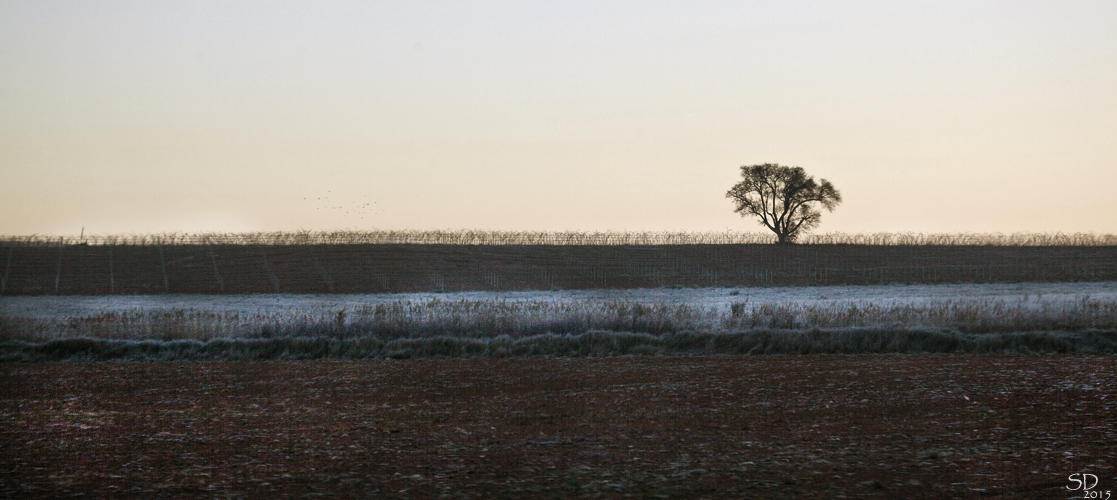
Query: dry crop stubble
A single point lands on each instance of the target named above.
(882, 426)
(565, 238)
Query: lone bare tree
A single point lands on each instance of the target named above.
(785, 198)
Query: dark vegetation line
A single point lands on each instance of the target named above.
(591, 343)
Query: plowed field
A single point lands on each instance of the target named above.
(883, 426)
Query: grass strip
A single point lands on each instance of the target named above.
(594, 343)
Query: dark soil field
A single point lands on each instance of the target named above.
(818, 426)
(389, 268)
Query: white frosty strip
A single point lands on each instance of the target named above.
(52, 307)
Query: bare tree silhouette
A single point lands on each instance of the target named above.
(784, 198)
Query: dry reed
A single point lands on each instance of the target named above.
(481, 319)
(484, 237)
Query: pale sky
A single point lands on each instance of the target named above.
(148, 116)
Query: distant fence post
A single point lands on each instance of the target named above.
(4, 282)
(326, 278)
(267, 266)
(216, 273)
(58, 272)
(163, 266)
(112, 279)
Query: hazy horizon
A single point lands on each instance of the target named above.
(138, 117)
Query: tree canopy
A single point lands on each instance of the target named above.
(785, 199)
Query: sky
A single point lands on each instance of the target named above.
(939, 116)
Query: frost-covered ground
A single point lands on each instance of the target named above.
(52, 307)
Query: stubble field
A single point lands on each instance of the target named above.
(233, 269)
(817, 426)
